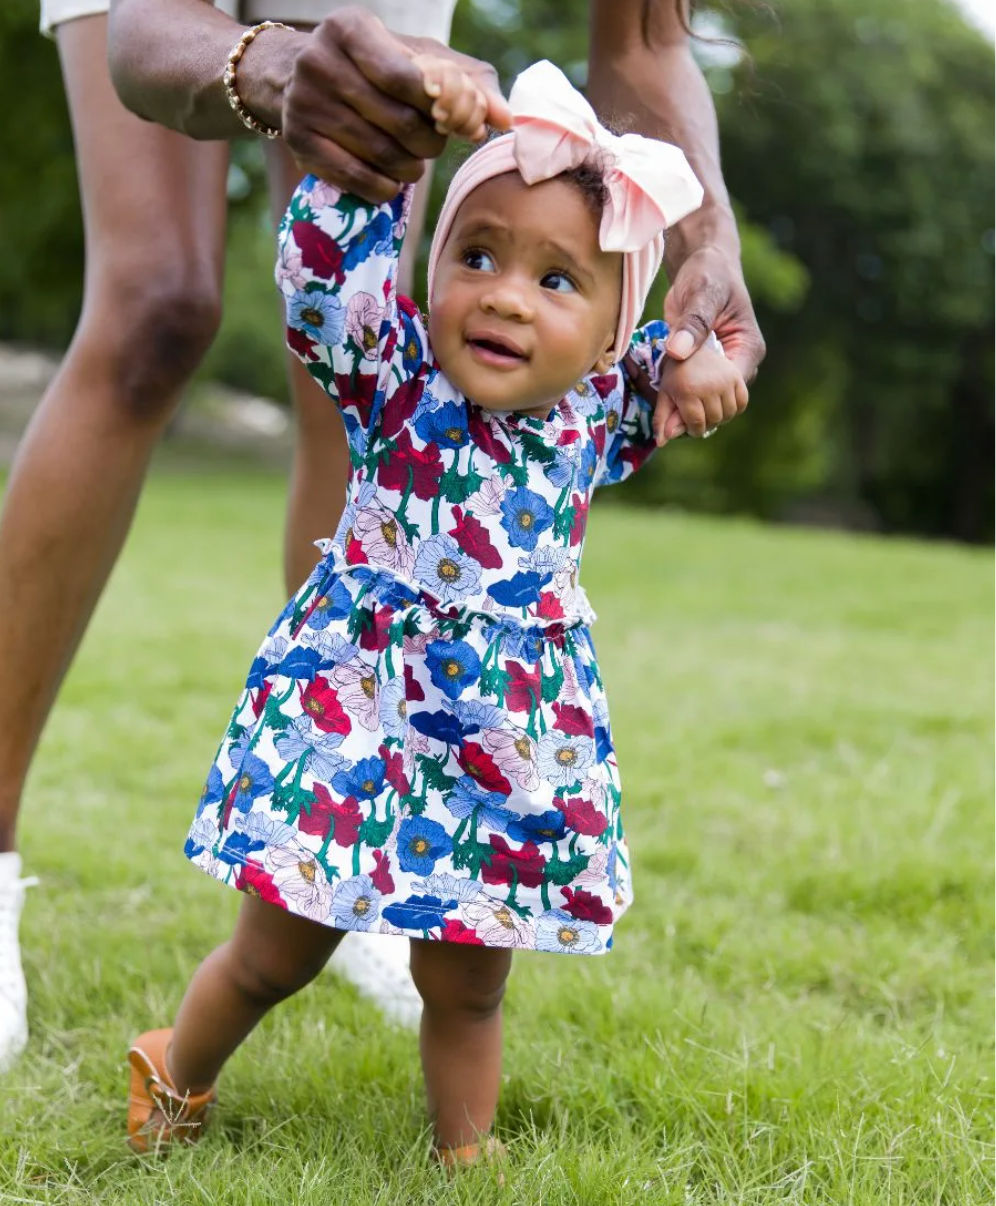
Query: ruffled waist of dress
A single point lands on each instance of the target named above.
(395, 590)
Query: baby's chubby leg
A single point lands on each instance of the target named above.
(461, 1037)
(272, 955)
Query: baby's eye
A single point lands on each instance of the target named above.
(559, 282)
(478, 261)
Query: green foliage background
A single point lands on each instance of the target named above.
(858, 144)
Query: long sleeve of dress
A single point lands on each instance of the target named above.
(630, 438)
(337, 271)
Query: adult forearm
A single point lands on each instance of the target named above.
(167, 61)
(652, 85)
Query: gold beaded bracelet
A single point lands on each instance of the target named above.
(237, 51)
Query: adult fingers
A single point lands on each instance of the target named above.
(691, 309)
(324, 158)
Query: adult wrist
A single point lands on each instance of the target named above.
(264, 72)
(712, 228)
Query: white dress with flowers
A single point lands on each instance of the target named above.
(423, 744)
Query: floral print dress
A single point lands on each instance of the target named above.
(423, 744)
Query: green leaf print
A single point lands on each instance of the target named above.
(375, 833)
(536, 448)
(563, 873)
(433, 774)
(553, 683)
(456, 485)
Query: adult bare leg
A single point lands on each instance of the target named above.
(154, 220)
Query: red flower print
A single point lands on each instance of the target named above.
(568, 436)
(400, 407)
(482, 768)
(354, 550)
(582, 816)
(319, 251)
(580, 518)
(606, 384)
(255, 881)
(573, 720)
(584, 906)
(598, 439)
(321, 702)
(394, 770)
(346, 816)
(456, 931)
(425, 466)
(381, 877)
(482, 435)
(357, 389)
(299, 342)
(260, 698)
(316, 818)
(523, 688)
(472, 536)
(525, 865)
(376, 636)
(549, 606)
(413, 688)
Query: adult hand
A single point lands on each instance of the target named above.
(356, 112)
(708, 294)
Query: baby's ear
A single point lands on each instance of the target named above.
(605, 362)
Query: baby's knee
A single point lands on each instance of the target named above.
(266, 977)
(468, 982)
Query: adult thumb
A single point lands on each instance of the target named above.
(690, 318)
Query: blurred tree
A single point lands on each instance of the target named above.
(861, 138)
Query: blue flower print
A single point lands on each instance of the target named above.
(467, 796)
(538, 827)
(444, 425)
(364, 781)
(588, 467)
(524, 515)
(440, 726)
(320, 315)
(562, 758)
(254, 780)
(453, 666)
(237, 848)
(420, 842)
(356, 903)
(520, 590)
(301, 663)
(214, 790)
(332, 605)
(411, 347)
(475, 714)
(561, 934)
(393, 707)
(366, 241)
(524, 644)
(445, 568)
(419, 912)
(561, 472)
(302, 740)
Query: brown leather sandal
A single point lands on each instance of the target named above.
(491, 1151)
(157, 1114)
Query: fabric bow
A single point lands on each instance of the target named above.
(650, 185)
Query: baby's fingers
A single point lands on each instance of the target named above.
(465, 117)
(667, 422)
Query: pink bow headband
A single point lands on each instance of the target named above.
(649, 184)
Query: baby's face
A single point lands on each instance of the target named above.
(525, 302)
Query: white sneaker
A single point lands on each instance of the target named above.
(377, 964)
(13, 990)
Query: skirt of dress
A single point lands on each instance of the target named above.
(399, 768)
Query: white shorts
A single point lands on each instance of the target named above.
(413, 18)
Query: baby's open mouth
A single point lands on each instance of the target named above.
(494, 350)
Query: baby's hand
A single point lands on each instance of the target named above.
(459, 106)
(697, 395)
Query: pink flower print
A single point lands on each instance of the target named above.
(496, 924)
(300, 880)
(363, 321)
(289, 268)
(358, 693)
(514, 753)
(322, 195)
(383, 540)
(488, 499)
(415, 743)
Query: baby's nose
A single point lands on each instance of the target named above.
(509, 299)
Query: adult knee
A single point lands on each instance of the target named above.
(145, 340)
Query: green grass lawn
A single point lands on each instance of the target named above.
(798, 1007)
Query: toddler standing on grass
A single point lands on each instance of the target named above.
(423, 743)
